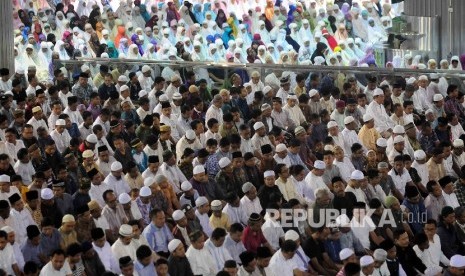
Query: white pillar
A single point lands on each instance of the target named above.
(6, 35)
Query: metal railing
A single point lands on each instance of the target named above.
(263, 68)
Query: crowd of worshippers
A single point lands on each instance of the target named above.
(168, 176)
(319, 32)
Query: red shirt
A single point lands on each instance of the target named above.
(252, 240)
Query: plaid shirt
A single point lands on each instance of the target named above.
(459, 190)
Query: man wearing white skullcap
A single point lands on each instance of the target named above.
(300, 258)
(367, 264)
(419, 164)
(116, 180)
(376, 109)
(250, 202)
(368, 134)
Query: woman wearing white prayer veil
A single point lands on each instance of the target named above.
(346, 53)
(305, 30)
(455, 63)
(274, 54)
(397, 62)
(319, 60)
(238, 57)
(44, 56)
(197, 55)
(262, 54)
(188, 47)
(60, 18)
(295, 33)
(214, 56)
(60, 49)
(220, 47)
(30, 57)
(305, 52)
(184, 12)
(83, 8)
(180, 33)
(273, 34)
(331, 60)
(416, 61)
(19, 59)
(231, 47)
(244, 35)
(150, 52)
(357, 52)
(133, 52)
(264, 35)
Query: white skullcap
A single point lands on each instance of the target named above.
(190, 134)
(198, 169)
(68, 218)
(125, 230)
(92, 138)
(291, 235)
(378, 92)
(381, 142)
(312, 93)
(148, 181)
(7, 229)
(434, 76)
(200, 201)
(116, 166)
(224, 162)
(105, 32)
(380, 255)
(186, 186)
(145, 68)
(367, 117)
(348, 120)
(216, 205)
(46, 194)
(124, 198)
(398, 139)
(177, 96)
(457, 261)
(178, 215)
(4, 178)
(267, 89)
(357, 175)
(458, 143)
(423, 77)
(420, 154)
(411, 80)
(332, 124)
(84, 68)
(268, 173)
(345, 253)
(173, 244)
(429, 111)
(258, 125)
(281, 147)
(437, 97)
(163, 98)
(145, 191)
(123, 78)
(60, 122)
(320, 165)
(123, 87)
(247, 187)
(366, 261)
(142, 93)
(398, 129)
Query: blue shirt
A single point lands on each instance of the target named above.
(158, 238)
(31, 253)
(145, 270)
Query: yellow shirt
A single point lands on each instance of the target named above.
(436, 171)
(368, 137)
(221, 222)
